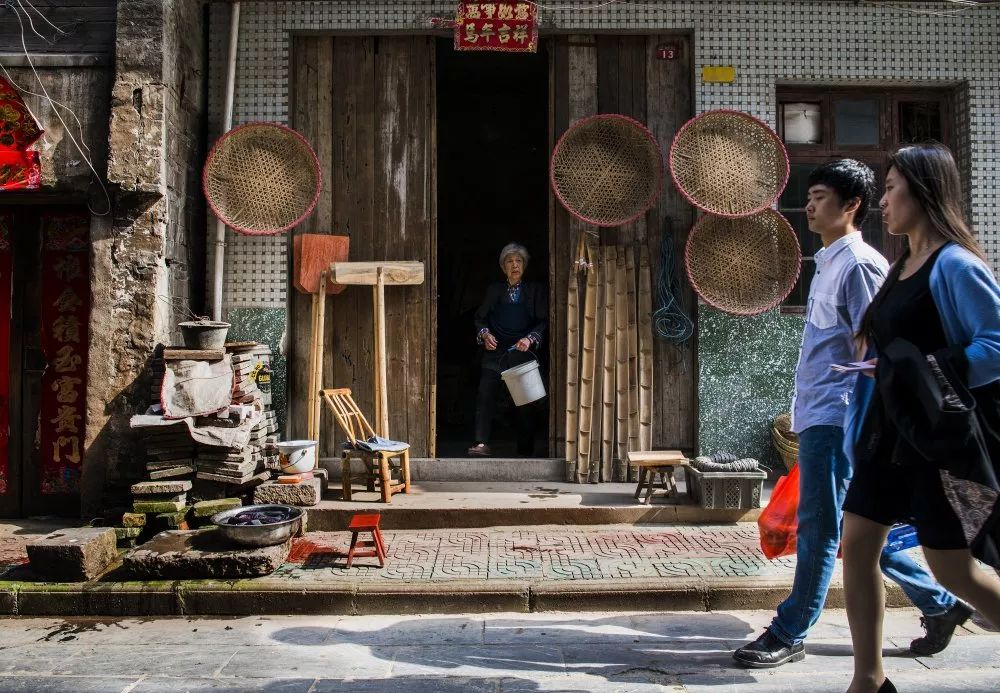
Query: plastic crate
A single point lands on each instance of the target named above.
(725, 490)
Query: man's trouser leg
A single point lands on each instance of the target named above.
(920, 588)
(824, 474)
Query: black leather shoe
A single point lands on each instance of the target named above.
(939, 629)
(887, 687)
(767, 652)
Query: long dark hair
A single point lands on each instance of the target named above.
(934, 182)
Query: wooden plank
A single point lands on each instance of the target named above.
(645, 353)
(669, 105)
(561, 254)
(432, 249)
(394, 272)
(182, 353)
(305, 118)
(633, 351)
(86, 28)
(419, 126)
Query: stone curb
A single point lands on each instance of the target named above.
(273, 597)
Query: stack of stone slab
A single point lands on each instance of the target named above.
(162, 504)
(245, 389)
(169, 452)
(229, 465)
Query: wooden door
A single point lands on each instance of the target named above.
(366, 103)
(623, 74)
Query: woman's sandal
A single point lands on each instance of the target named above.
(481, 450)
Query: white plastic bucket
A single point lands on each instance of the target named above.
(297, 456)
(524, 383)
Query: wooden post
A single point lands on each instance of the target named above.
(312, 388)
(316, 401)
(380, 354)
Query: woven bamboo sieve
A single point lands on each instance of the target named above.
(728, 163)
(607, 170)
(262, 178)
(743, 266)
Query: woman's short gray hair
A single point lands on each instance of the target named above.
(512, 248)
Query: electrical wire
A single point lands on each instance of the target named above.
(670, 320)
(55, 109)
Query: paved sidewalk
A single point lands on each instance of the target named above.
(516, 569)
(467, 653)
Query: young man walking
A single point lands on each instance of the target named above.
(849, 273)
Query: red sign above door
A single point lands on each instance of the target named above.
(510, 27)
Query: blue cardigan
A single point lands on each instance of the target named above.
(967, 297)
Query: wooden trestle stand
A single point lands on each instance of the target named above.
(378, 275)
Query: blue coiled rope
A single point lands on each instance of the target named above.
(670, 320)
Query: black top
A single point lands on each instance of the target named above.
(905, 309)
(509, 322)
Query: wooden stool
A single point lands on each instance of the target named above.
(653, 463)
(366, 523)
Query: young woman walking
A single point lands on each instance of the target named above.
(942, 298)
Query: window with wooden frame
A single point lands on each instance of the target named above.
(820, 124)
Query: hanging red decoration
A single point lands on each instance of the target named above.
(20, 168)
(510, 27)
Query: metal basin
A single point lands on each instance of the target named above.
(259, 535)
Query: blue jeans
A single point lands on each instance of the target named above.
(824, 474)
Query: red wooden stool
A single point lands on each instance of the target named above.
(366, 523)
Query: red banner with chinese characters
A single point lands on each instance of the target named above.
(496, 26)
(5, 289)
(65, 315)
(19, 166)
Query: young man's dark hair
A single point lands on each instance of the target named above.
(850, 179)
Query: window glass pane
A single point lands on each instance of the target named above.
(801, 123)
(856, 122)
(920, 121)
(794, 195)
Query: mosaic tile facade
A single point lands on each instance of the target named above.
(767, 42)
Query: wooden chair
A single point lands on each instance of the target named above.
(378, 467)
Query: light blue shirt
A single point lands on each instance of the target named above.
(848, 275)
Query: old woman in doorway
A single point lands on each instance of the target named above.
(511, 320)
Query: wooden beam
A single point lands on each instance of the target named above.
(390, 273)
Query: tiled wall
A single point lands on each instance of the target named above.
(767, 43)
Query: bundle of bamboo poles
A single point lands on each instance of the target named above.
(609, 359)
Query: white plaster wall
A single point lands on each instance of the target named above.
(768, 43)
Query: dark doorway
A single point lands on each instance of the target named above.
(44, 308)
(492, 134)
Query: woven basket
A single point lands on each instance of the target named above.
(728, 163)
(743, 266)
(262, 178)
(787, 449)
(607, 170)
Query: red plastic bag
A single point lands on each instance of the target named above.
(778, 522)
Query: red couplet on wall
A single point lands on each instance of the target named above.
(496, 26)
(5, 289)
(65, 316)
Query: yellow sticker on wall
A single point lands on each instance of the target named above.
(718, 73)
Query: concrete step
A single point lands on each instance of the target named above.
(474, 468)
(471, 504)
